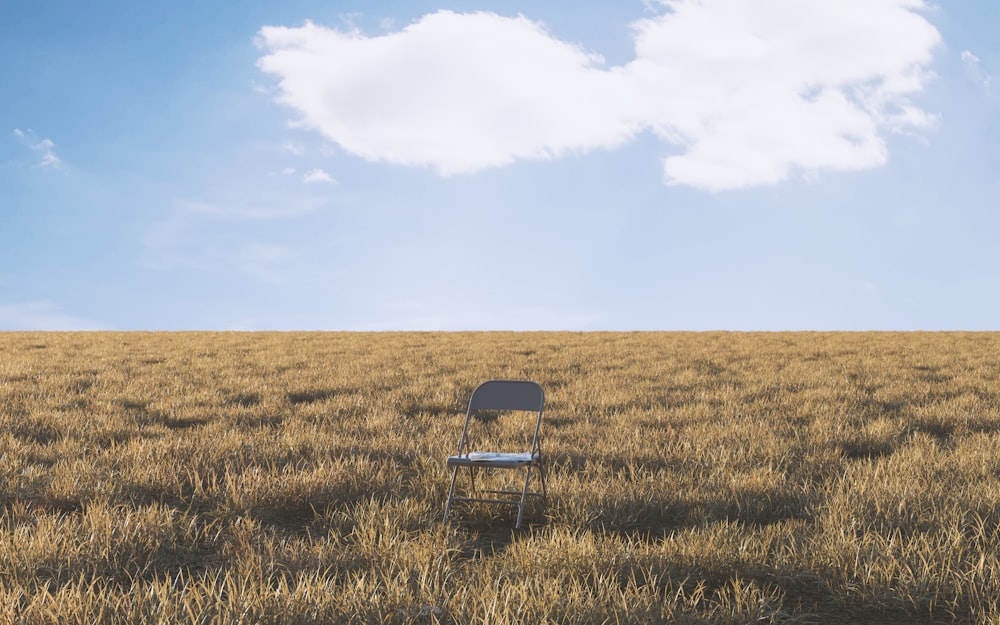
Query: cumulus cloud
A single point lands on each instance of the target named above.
(457, 92)
(44, 148)
(753, 89)
(741, 92)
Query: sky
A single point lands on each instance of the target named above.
(483, 165)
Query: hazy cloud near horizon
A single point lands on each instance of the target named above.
(742, 92)
(44, 315)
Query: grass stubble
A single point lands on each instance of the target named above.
(300, 478)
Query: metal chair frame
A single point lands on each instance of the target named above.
(508, 395)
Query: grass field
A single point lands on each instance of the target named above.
(300, 478)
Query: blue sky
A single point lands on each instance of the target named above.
(684, 165)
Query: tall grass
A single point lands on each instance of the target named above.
(300, 478)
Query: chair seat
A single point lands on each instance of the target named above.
(493, 459)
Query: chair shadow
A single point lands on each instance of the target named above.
(488, 530)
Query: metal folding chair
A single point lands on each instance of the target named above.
(490, 402)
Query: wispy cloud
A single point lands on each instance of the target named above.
(44, 148)
(203, 245)
(225, 237)
(798, 86)
(265, 207)
(974, 70)
(43, 315)
(318, 175)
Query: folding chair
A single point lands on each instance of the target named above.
(489, 397)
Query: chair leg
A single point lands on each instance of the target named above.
(524, 499)
(451, 493)
(545, 494)
(472, 479)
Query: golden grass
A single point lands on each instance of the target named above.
(300, 478)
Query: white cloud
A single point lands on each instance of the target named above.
(456, 92)
(44, 148)
(318, 175)
(749, 91)
(755, 89)
(43, 315)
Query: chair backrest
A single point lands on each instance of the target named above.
(506, 395)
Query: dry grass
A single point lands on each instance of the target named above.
(300, 478)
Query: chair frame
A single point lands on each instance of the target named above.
(511, 395)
